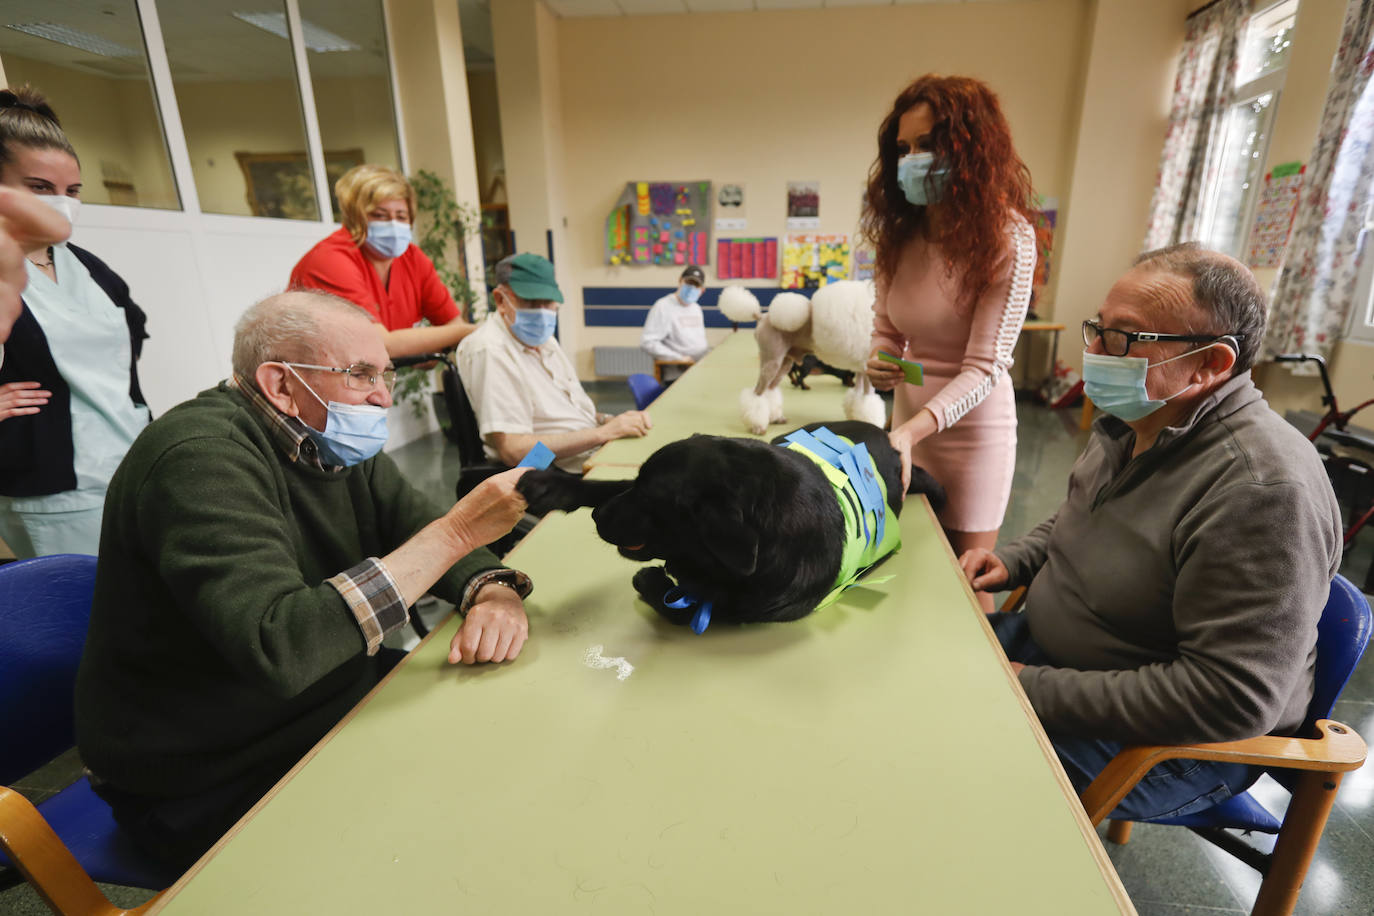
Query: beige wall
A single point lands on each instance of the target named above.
(1295, 129)
(785, 95)
(113, 125)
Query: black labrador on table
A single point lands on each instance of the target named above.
(755, 529)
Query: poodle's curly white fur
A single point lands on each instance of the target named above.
(836, 324)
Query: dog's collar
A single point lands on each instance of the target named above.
(678, 598)
(862, 496)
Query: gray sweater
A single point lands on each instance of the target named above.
(1178, 592)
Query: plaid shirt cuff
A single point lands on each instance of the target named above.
(511, 578)
(374, 598)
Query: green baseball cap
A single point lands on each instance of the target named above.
(532, 279)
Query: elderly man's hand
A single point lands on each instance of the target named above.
(490, 510)
(628, 425)
(495, 629)
(24, 221)
(984, 570)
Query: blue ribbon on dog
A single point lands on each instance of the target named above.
(677, 599)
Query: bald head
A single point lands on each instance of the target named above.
(296, 326)
(1225, 295)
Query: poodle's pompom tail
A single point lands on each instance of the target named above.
(842, 322)
(738, 304)
(754, 408)
(789, 311)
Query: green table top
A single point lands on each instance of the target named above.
(875, 757)
(706, 400)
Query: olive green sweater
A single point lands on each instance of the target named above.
(216, 650)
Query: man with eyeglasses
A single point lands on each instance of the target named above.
(256, 551)
(1174, 596)
(522, 385)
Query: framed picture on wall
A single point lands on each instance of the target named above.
(280, 185)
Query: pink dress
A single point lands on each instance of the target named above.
(966, 359)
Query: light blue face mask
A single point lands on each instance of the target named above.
(1117, 383)
(912, 172)
(689, 293)
(389, 239)
(352, 433)
(534, 326)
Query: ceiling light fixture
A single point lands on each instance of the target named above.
(317, 39)
(74, 38)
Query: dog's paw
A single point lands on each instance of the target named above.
(653, 584)
(922, 482)
(550, 489)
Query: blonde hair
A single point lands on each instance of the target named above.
(26, 119)
(363, 187)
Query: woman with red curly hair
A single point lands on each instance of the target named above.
(948, 212)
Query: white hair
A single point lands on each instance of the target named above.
(287, 326)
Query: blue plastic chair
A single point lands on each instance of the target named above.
(645, 388)
(1309, 768)
(45, 607)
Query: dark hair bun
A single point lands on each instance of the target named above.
(26, 98)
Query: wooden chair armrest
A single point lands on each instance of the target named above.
(1337, 748)
(47, 864)
(1015, 598)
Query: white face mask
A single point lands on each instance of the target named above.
(67, 206)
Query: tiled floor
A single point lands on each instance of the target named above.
(1166, 870)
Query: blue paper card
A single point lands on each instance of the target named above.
(539, 457)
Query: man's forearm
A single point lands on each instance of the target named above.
(418, 563)
(514, 446)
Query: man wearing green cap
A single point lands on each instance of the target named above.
(521, 383)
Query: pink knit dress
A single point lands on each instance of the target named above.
(967, 355)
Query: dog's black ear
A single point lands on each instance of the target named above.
(727, 540)
(922, 482)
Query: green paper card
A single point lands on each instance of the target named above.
(913, 371)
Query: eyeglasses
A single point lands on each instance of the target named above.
(1118, 343)
(359, 376)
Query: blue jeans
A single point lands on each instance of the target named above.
(1171, 789)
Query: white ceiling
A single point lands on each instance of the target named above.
(659, 7)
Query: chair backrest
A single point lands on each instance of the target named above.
(644, 388)
(463, 419)
(45, 606)
(1342, 634)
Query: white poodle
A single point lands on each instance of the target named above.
(836, 324)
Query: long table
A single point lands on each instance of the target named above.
(875, 757)
(705, 399)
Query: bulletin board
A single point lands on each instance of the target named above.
(1274, 212)
(810, 261)
(660, 222)
(745, 259)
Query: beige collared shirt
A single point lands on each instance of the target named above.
(523, 390)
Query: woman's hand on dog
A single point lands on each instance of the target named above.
(881, 373)
(494, 630)
(628, 425)
(490, 510)
(905, 437)
(985, 571)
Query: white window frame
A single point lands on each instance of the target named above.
(1244, 95)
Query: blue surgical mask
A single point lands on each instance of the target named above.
(352, 433)
(1117, 383)
(389, 239)
(689, 293)
(534, 326)
(912, 171)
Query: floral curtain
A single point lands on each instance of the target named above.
(1314, 291)
(1203, 89)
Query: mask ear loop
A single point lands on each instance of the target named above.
(306, 384)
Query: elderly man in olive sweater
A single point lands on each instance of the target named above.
(1174, 596)
(255, 552)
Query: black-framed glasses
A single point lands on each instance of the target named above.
(359, 376)
(1118, 343)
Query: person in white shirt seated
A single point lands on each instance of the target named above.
(675, 329)
(521, 383)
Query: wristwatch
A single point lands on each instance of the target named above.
(510, 578)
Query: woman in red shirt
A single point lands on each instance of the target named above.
(371, 262)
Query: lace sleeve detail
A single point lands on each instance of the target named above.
(1008, 329)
